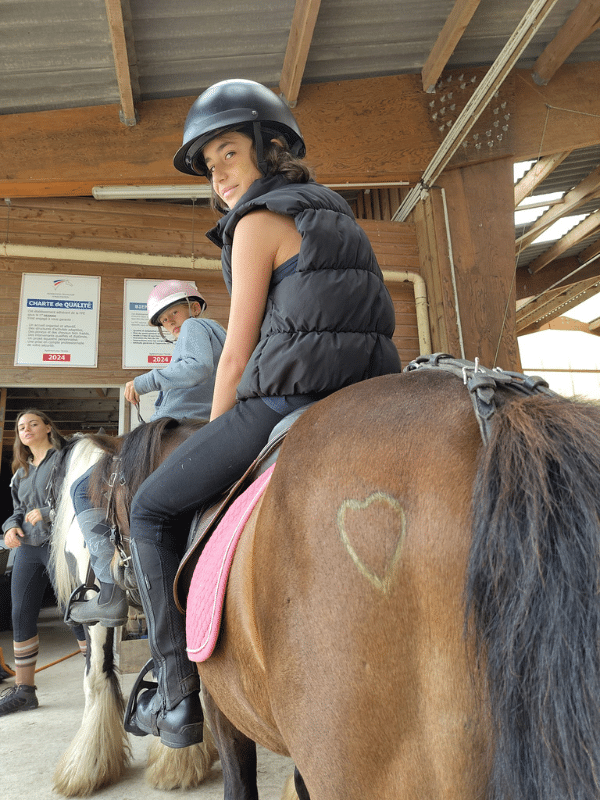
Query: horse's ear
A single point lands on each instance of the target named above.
(101, 432)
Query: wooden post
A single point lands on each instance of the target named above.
(472, 296)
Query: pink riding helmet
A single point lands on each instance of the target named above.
(168, 293)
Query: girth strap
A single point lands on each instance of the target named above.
(483, 384)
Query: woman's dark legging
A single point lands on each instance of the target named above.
(29, 580)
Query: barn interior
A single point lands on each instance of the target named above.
(416, 112)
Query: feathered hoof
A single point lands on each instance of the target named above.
(183, 768)
(289, 789)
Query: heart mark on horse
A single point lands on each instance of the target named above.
(389, 547)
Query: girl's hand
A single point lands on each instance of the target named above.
(12, 537)
(34, 516)
(130, 393)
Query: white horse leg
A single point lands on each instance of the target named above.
(182, 768)
(100, 751)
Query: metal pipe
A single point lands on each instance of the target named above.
(422, 307)
(107, 256)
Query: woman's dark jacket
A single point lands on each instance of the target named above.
(328, 324)
(29, 492)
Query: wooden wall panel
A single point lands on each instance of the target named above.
(138, 227)
(396, 248)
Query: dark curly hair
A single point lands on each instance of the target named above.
(279, 160)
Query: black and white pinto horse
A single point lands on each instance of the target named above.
(100, 752)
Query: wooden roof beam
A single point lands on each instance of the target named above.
(296, 54)
(577, 234)
(531, 316)
(584, 20)
(537, 174)
(114, 14)
(580, 194)
(75, 149)
(450, 35)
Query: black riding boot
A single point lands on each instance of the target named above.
(171, 707)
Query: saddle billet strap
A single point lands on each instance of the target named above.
(184, 574)
(483, 384)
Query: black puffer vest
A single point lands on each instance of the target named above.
(328, 324)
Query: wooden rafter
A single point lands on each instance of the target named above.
(537, 174)
(576, 197)
(143, 154)
(453, 29)
(532, 315)
(296, 54)
(563, 272)
(114, 14)
(584, 20)
(577, 234)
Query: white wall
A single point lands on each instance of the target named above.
(566, 350)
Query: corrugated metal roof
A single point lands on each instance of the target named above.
(58, 54)
(567, 176)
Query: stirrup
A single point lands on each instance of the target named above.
(131, 710)
(77, 596)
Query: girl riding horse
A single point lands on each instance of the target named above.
(309, 314)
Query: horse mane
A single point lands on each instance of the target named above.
(137, 455)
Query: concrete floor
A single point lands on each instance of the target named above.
(32, 742)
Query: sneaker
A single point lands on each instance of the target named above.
(18, 698)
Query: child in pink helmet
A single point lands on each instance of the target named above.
(185, 387)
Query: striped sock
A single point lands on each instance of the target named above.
(26, 653)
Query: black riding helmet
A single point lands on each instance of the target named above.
(229, 104)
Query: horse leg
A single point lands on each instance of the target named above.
(237, 754)
(301, 789)
(100, 751)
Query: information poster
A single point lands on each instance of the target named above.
(143, 346)
(58, 321)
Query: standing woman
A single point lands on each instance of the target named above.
(309, 315)
(37, 442)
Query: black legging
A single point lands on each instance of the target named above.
(205, 465)
(28, 584)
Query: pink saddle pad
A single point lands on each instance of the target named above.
(209, 581)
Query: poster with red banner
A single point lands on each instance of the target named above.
(58, 321)
(143, 346)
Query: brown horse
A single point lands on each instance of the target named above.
(413, 615)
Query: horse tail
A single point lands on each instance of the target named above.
(533, 597)
(68, 558)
